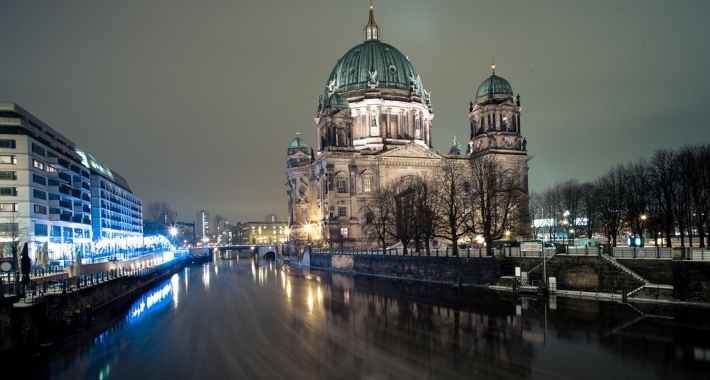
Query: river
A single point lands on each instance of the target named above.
(240, 319)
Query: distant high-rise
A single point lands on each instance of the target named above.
(202, 230)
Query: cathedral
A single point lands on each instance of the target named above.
(374, 124)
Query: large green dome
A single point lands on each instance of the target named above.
(494, 85)
(390, 67)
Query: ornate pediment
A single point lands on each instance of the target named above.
(411, 150)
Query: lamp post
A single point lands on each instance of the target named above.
(173, 232)
(308, 231)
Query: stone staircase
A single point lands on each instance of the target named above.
(635, 275)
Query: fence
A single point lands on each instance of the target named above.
(695, 254)
(653, 253)
(437, 252)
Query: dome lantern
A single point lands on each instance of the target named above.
(372, 31)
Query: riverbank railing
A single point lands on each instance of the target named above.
(398, 251)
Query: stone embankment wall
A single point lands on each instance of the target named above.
(583, 273)
(472, 271)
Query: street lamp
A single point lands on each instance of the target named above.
(308, 230)
(173, 232)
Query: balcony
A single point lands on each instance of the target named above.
(58, 217)
(76, 193)
(76, 219)
(86, 209)
(87, 220)
(66, 205)
(86, 197)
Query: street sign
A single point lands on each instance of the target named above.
(531, 246)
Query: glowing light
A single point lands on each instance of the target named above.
(319, 295)
(288, 289)
(310, 300)
(174, 282)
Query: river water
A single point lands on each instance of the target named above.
(240, 319)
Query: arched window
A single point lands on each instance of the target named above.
(342, 184)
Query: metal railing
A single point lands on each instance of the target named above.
(436, 252)
(652, 253)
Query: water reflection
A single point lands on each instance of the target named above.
(330, 325)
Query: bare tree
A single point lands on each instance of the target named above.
(453, 202)
(591, 207)
(14, 233)
(160, 215)
(611, 191)
(402, 217)
(376, 211)
(424, 203)
(570, 198)
(636, 196)
(496, 196)
(536, 208)
(663, 188)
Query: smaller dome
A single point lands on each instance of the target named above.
(337, 101)
(297, 143)
(494, 85)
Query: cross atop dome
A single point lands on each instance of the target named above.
(372, 31)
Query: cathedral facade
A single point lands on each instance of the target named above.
(374, 124)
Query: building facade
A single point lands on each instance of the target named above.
(373, 125)
(202, 226)
(46, 191)
(270, 231)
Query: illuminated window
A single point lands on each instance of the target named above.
(8, 207)
(4, 159)
(366, 185)
(39, 209)
(342, 211)
(38, 164)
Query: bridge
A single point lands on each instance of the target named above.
(262, 250)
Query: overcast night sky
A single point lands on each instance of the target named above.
(195, 102)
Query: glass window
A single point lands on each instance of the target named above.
(40, 229)
(366, 185)
(12, 191)
(56, 231)
(38, 149)
(5, 159)
(39, 194)
(4, 143)
(36, 178)
(39, 209)
(78, 233)
(342, 211)
(8, 207)
(38, 164)
(341, 185)
(8, 175)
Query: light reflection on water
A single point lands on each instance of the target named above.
(396, 329)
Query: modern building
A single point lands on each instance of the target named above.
(202, 226)
(46, 191)
(270, 231)
(374, 124)
(116, 212)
